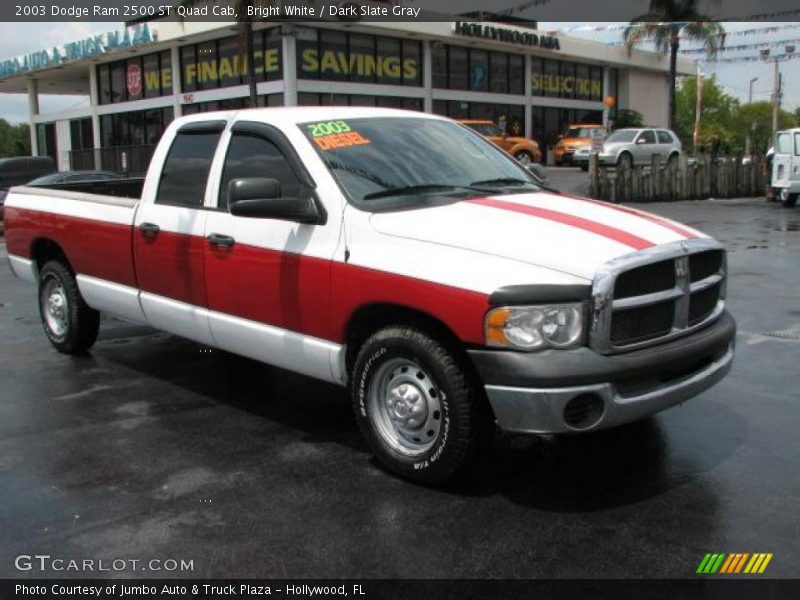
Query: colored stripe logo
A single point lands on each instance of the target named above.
(612, 233)
(734, 563)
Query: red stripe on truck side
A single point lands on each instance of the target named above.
(96, 248)
(612, 233)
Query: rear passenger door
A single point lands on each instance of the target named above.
(645, 146)
(168, 234)
(665, 144)
(268, 280)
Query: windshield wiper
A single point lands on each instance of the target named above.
(418, 189)
(503, 181)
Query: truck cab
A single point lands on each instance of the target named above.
(785, 175)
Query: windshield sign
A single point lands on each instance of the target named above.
(387, 163)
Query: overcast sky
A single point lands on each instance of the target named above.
(19, 38)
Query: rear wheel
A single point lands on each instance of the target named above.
(672, 161)
(69, 323)
(416, 405)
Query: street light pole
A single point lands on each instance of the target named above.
(776, 95)
(748, 141)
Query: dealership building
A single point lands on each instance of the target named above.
(140, 78)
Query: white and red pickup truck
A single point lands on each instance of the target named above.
(396, 253)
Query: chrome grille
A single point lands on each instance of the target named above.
(657, 294)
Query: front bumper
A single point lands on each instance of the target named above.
(531, 392)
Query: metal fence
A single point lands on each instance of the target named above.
(684, 179)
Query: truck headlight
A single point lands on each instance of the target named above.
(535, 327)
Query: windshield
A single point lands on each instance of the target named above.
(583, 132)
(485, 128)
(622, 135)
(387, 163)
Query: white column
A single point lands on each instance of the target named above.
(528, 89)
(94, 102)
(33, 110)
(427, 76)
(289, 51)
(175, 61)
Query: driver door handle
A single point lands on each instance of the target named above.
(223, 241)
(149, 229)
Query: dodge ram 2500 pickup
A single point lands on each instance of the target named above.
(399, 254)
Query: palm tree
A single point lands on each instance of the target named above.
(667, 22)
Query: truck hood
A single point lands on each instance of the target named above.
(568, 234)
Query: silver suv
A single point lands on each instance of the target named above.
(626, 147)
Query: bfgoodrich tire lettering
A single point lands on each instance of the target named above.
(461, 426)
(69, 323)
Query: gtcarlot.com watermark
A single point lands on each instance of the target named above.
(44, 563)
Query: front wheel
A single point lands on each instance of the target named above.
(524, 157)
(69, 323)
(416, 405)
(584, 166)
(625, 161)
(787, 199)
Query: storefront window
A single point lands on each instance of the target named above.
(559, 79)
(148, 76)
(457, 66)
(514, 114)
(81, 134)
(135, 128)
(118, 93)
(478, 70)
(499, 73)
(340, 56)
(439, 65)
(315, 99)
(516, 74)
(230, 63)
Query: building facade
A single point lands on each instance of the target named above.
(538, 82)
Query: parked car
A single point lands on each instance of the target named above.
(785, 173)
(73, 177)
(396, 253)
(636, 146)
(523, 149)
(576, 138)
(17, 170)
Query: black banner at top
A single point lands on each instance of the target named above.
(373, 10)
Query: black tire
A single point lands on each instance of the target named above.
(464, 421)
(788, 200)
(625, 161)
(81, 322)
(584, 166)
(559, 163)
(524, 157)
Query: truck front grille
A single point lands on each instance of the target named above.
(648, 297)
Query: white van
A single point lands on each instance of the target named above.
(786, 166)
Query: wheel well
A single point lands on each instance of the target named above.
(44, 250)
(371, 318)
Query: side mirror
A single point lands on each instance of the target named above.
(641, 141)
(261, 198)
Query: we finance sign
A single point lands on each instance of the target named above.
(90, 46)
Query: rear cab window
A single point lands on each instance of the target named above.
(184, 175)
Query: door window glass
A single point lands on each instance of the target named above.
(185, 174)
(648, 136)
(797, 144)
(783, 146)
(253, 156)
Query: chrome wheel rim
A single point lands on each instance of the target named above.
(403, 405)
(55, 307)
(524, 158)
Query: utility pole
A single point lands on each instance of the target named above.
(748, 140)
(698, 108)
(776, 96)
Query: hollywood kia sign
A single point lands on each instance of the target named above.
(91, 46)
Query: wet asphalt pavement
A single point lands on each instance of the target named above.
(154, 447)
